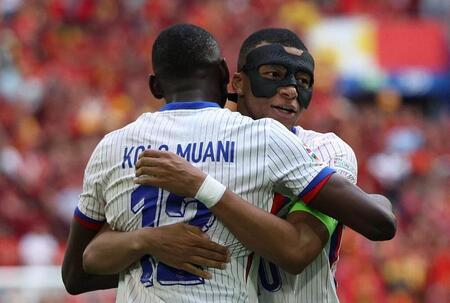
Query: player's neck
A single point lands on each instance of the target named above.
(195, 94)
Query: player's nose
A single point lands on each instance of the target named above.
(288, 92)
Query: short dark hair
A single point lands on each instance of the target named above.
(281, 36)
(181, 49)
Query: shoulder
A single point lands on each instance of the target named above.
(279, 133)
(333, 150)
(236, 118)
(128, 129)
(111, 139)
(335, 141)
(241, 123)
(276, 126)
(332, 142)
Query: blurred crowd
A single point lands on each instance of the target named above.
(72, 70)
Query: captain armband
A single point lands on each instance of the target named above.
(329, 222)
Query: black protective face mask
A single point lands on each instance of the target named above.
(275, 54)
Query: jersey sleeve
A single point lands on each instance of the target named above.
(90, 211)
(342, 158)
(339, 156)
(295, 171)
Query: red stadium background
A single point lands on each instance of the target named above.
(70, 71)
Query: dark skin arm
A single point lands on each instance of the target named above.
(370, 215)
(291, 244)
(313, 236)
(75, 279)
(178, 245)
(92, 258)
(269, 236)
(194, 248)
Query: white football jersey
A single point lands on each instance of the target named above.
(252, 158)
(316, 284)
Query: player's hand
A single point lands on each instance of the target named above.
(168, 171)
(183, 246)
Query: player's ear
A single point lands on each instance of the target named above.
(224, 71)
(155, 87)
(224, 75)
(237, 84)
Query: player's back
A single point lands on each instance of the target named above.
(226, 145)
(209, 139)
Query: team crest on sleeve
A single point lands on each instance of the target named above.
(311, 153)
(344, 168)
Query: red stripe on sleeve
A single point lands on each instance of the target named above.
(313, 193)
(278, 203)
(88, 225)
(249, 265)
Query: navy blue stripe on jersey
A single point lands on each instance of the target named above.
(335, 244)
(87, 222)
(316, 184)
(188, 105)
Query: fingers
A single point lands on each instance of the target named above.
(212, 246)
(196, 271)
(153, 165)
(204, 240)
(150, 162)
(207, 262)
(151, 171)
(211, 255)
(151, 153)
(151, 158)
(147, 180)
(147, 161)
(194, 229)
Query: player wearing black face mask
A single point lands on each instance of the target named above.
(275, 54)
(275, 80)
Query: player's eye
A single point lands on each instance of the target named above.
(303, 79)
(272, 72)
(274, 75)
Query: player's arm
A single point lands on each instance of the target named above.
(344, 162)
(111, 249)
(292, 244)
(269, 236)
(314, 228)
(179, 245)
(75, 279)
(87, 221)
(369, 214)
(320, 227)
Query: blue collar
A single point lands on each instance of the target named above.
(188, 105)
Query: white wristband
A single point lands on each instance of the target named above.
(210, 192)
